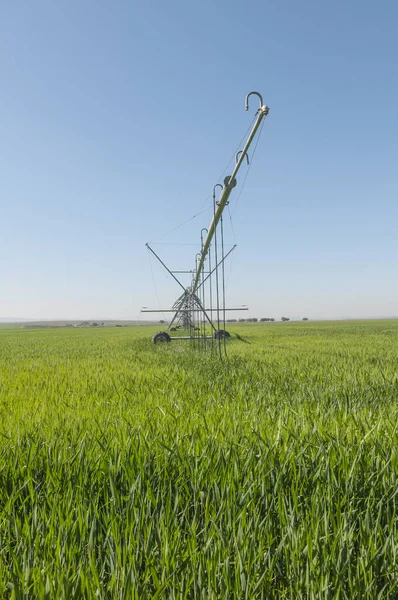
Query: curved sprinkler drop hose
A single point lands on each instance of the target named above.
(204, 229)
(201, 235)
(238, 154)
(214, 193)
(195, 314)
(198, 256)
(214, 189)
(253, 94)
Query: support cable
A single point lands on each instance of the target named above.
(248, 169)
(182, 224)
(232, 225)
(232, 157)
(208, 199)
(237, 147)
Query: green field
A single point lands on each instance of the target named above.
(130, 470)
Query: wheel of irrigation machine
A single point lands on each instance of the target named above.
(221, 334)
(160, 337)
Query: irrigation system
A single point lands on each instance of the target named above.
(199, 313)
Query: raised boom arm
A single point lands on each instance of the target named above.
(229, 184)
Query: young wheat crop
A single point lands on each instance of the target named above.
(130, 470)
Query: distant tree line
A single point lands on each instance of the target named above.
(251, 320)
(262, 320)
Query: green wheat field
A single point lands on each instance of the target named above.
(130, 470)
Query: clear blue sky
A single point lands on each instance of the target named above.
(117, 118)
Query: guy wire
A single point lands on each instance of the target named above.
(248, 169)
(208, 197)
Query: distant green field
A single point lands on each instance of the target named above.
(130, 470)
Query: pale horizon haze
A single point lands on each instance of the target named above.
(116, 120)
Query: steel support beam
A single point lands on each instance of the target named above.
(165, 266)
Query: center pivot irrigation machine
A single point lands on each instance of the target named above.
(199, 313)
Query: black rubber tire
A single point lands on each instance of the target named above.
(160, 337)
(221, 334)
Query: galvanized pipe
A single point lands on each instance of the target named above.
(224, 196)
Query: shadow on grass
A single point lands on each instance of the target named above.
(240, 338)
